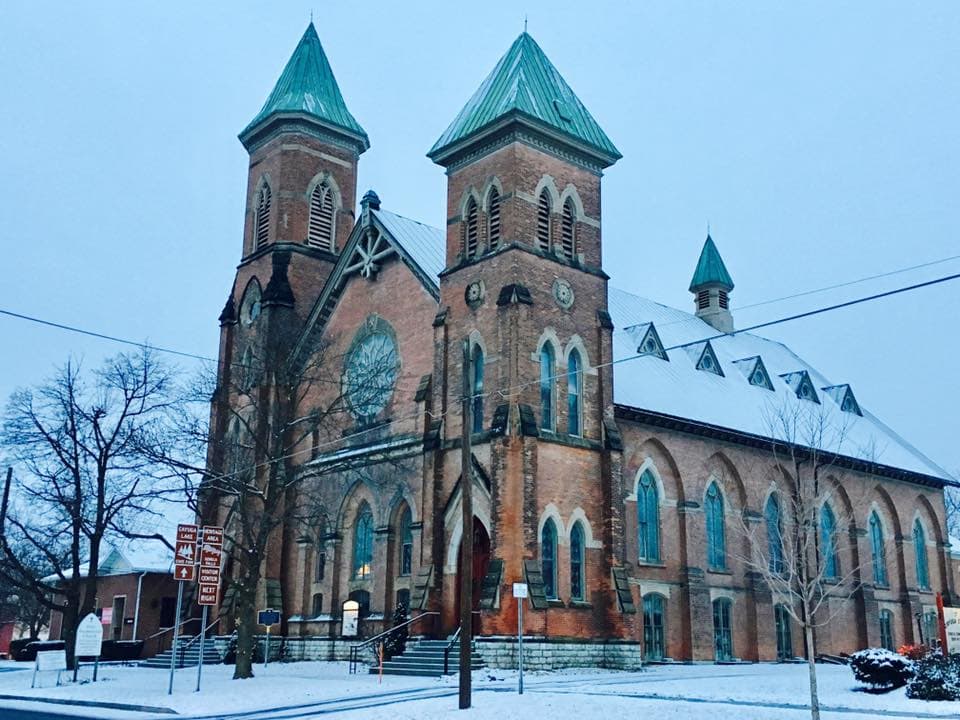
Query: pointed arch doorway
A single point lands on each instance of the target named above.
(481, 559)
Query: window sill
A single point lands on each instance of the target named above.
(718, 571)
(650, 564)
(555, 602)
(579, 605)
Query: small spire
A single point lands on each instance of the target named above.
(524, 22)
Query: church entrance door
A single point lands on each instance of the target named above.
(481, 559)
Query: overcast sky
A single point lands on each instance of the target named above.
(819, 140)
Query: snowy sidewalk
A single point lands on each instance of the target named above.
(299, 691)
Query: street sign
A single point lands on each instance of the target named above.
(209, 576)
(520, 590)
(186, 533)
(268, 617)
(186, 553)
(207, 594)
(213, 535)
(210, 556)
(89, 637)
(185, 573)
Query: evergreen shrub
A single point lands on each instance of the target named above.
(936, 677)
(881, 669)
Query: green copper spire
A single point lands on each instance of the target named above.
(710, 269)
(308, 88)
(525, 86)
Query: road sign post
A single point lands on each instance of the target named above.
(520, 591)
(176, 635)
(209, 577)
(269, 618)
(184, 570)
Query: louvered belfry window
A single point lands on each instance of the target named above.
(493, 219)
(568, 231)
(320, 229)
(543, 222)
(471, 229)
(263, 216)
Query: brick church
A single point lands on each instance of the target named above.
(623, 455)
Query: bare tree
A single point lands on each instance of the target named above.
(952, 500)
(82, 448)
(256, 482)
(19, 605)
(794, 547)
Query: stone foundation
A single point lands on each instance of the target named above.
(556, 654)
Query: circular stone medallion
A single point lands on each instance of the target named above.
(563, 294)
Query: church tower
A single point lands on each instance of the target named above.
(523, 283)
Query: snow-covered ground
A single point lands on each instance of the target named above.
(764, 692)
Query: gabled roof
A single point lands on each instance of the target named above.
(426, 245)
(525, 85)
(710, 269)
(307, 87)
(679, 390)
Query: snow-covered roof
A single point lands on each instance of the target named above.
(425, 245)
(675, 387)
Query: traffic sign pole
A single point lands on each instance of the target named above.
(520, 591)
(203, 627)
(176, 634)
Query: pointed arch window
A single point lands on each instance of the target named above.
(547, 365)
(477, 388)
(471, 229)
(568, 230)
(828, 542)
(784, 635)
(716, 540)
(654, 647)
(406, 542)
(321, 225)
(648, 518)
(879, 553)
(544, 208)
(363, 543)
(920, 551)
(577, 583)
(548, 558)
(574, 386)
(262, 226)
(774, 535)
(493, 218)
(317, 605)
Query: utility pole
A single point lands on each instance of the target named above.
(466, 540)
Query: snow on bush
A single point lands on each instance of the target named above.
(937, 677)
(881, 669)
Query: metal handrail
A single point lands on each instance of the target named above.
(355, 649)
(166, 630)
(448, 648)
(203, 631)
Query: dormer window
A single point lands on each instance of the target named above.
(801, 384)
(844, 397)
(650, 342)
(755, 372)
(708, 361)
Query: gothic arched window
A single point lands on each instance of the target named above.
(774, 534)
(363, 543)
(493, 218)
(262, 225)
(477, 389)
(574, 386)
(828, 542)
(321, 225)
(568, 229)
(648, 518)
(577, 584)
(548, 558)
(781, 618)
(406, 542)
(543, 221)
(886, 629)
(716, 539)
(920, 551)
(879, 553)
(471, 229)
(547, 365)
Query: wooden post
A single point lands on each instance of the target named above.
(466, 540)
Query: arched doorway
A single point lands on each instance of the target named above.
(481, 559)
